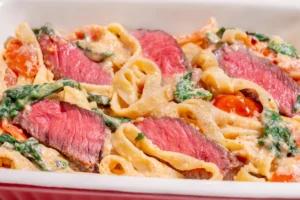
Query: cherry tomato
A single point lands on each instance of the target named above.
(282, 178)
(21, 58)
(237, 104)
(16, 132)
(79, 35)
(10, 78)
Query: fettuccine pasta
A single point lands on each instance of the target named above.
(217, 104)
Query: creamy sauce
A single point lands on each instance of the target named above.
(108, 42)
(54, 160)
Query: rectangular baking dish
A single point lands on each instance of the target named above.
(274, 17)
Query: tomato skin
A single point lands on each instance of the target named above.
(237, 104)
(17, 133)
(282, 178)
(21, 58)
(10, 78)
(79, 35)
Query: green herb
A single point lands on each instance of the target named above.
(70, 83)
(283, 48)
(44, 30)
(15, 99)
(140, 136)
(79, 46)
(221, 31)
(296, 106)
(60, 164)
(185, 89)
(276, 136)
(97, 57)
(107, 54)
(29, 149)
(94, 56)
(7, 138)
(112, 122)
(36, 31)
(212, 37)
(99, 99)
(259, 36)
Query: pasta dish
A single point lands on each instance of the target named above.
(218, 104)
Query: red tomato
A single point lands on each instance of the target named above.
(21, 58)
(79, 35)
(237, 104)
(282, 178)
(17, 133)
(10, 78)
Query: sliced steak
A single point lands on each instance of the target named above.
(164, 50)
(67, 61)
(76, 132)
(238, 62)
(174, 134)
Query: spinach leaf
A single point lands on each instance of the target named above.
(15, 99)
(185, 89)
(112, 122)
(283, 48)
(221, 31)
(259, 36)
(94, 56)
(99, 99)
(140, 136)
(276, 136)
(7, 138)
(212, 38)
(44, 30)
(107, 54)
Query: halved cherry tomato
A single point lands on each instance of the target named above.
(282, 178)
(79, 35)
(237, 104)
(10, 78)
(21, 58)
(16, 132)
(297, 141)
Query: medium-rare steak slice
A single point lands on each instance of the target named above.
(67, 61)
(238, 62)
(164, 50)
(174, 134)
(76, 132)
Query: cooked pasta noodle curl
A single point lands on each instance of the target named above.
(138, 89)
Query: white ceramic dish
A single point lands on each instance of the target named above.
(176, 17)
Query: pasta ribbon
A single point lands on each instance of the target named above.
(117, 165)
(205, 59)
(75, 97)
(127, 39)
(14, 160)
(191, 50)
(230, 36)
(138, 89)
(245, 174)
(105, 90)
